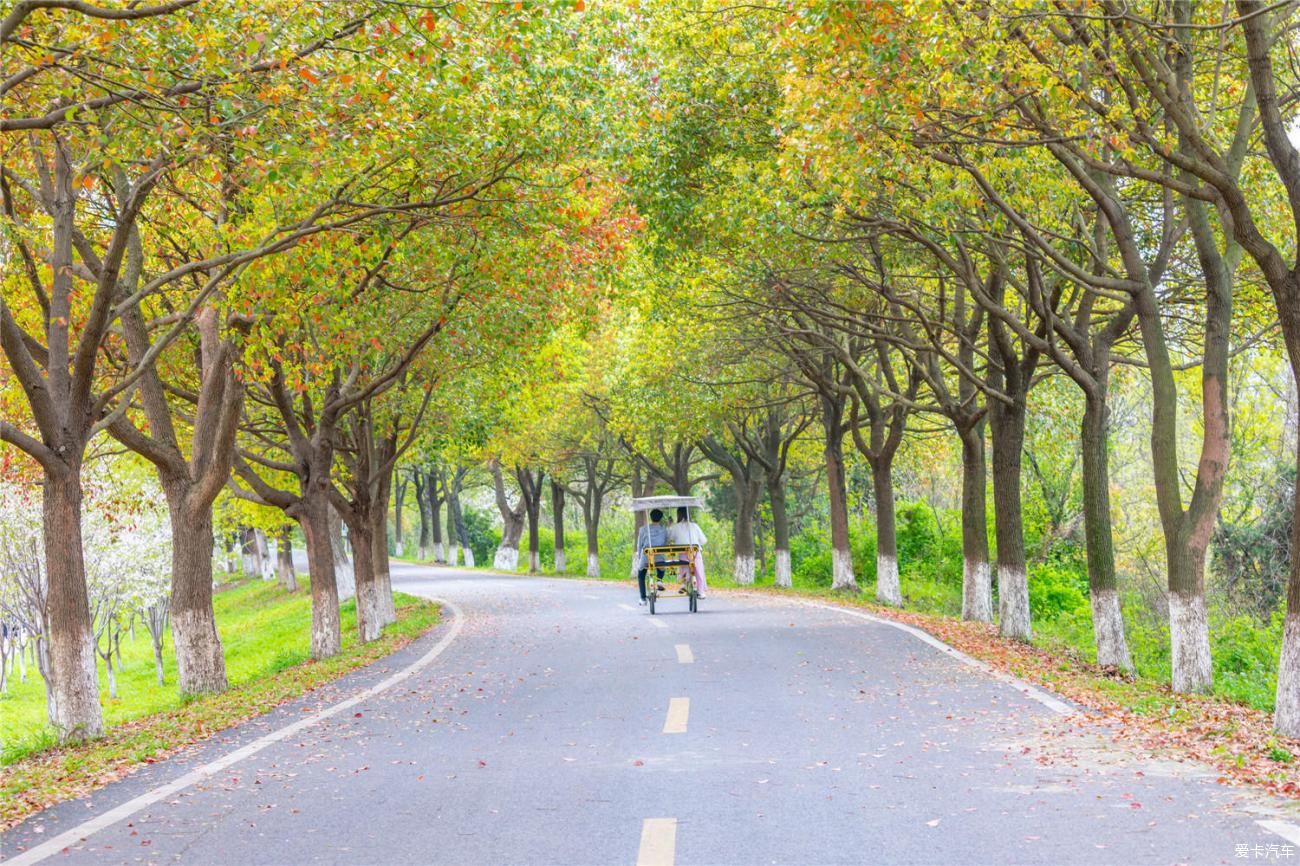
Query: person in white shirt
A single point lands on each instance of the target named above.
(684, 531)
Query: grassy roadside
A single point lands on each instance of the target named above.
(261, 627)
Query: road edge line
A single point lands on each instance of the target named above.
(1287, 831)
(1053, 703)
(86, 829)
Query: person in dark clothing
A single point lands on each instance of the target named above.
(653, 534)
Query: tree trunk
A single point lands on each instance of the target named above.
(888, 590)
(976, 582)
(72, 681)
(1287, 714)
(265, 568)
(456, 523)
(422, 501)
(1107, 618)
(156, 640)
(231, 542)
(248, 552)
(780, 530)
(557, 517)
(435, 526)
(1008, 427)
(507, 555)
(592, 526)
(284, 561)
(533, 510)
(512, 528)
(344, 572)
(841, 553)
(200, 659)
(361, 535)
(399, 499)
(383, 572)
(314, 515)
(1186, 532)
(743, 535)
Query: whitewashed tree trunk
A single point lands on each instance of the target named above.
(888, 590)
(248, 554)
(559, 561)
(534, 562)
(284, 567)
(842, 570)
(387, 605)
(345, 579)
(112, 678)
(1108, 630)
(265, 565)
(1013, 599)
(469, 556)
(1189, 639)
(783, 570)
(1286, 716)
(593, 565)
(744, 570)
(506, 559)
(369, 614)
(977, 591)
(453, 554)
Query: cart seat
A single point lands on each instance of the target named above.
(669, 555)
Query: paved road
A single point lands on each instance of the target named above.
(561, 724)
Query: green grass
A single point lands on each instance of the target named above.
(266, 635)
(263, 629)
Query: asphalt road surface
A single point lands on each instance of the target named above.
(557, 722)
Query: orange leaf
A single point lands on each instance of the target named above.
(309, 75)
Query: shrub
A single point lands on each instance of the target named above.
(1056, 589)
(483, 536)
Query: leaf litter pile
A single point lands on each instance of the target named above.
(1237, 741)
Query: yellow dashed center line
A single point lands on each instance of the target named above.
(684, 654)
(678, 711)
(658, 842)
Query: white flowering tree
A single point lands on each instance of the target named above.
(128, 570)
(127, 543)
(24, 616)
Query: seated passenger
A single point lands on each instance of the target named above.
(652, 534)
(684, 531)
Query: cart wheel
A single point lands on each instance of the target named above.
(652, 604)
(693, 605)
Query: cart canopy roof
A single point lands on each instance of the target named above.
(646, 503)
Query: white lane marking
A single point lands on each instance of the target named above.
(627, 607)
(658, 842)
(1050, 701)
(112, 816)
(684, 654)
(679, 710)
(658, 623)
(1289, 832)
(589, 595)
